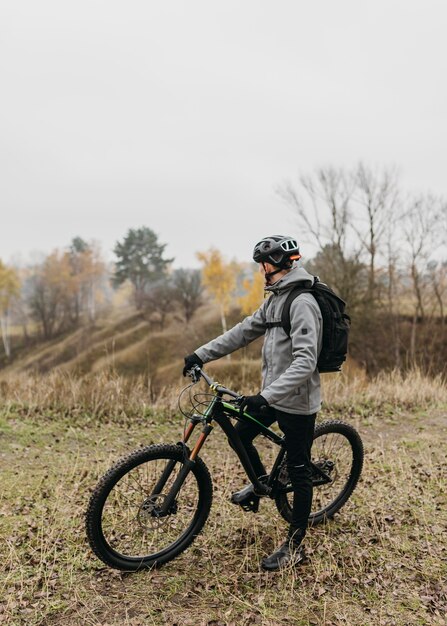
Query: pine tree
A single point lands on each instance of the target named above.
(140, 260)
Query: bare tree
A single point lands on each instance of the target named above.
(323, 203)
(376, 194)
(422, 238)
(347, 275)
(375, 249)
(160, 299)
(393, 251)
(188, 291)
(21, 315)
(437, 275)
(45, 304)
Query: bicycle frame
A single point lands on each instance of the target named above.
(220, 412)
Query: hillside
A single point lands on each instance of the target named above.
(131, 344)
(128, 344)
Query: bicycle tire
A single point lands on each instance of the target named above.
(284, 501)
(99, 520)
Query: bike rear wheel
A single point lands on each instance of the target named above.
(124, 524)
(337, 450)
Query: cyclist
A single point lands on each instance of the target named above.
(290, 391)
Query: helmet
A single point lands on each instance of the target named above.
(279, 250)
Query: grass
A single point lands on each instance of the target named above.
(381, 561)
(108, 395)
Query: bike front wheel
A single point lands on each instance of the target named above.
(125, 525)
(337, 453)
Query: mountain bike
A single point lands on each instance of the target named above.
(151, 505)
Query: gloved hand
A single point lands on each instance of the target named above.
(253, 404)
(190, 361)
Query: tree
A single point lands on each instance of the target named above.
(393, 252)
(51, 293)
(323, 203)
(437, 274)
(88, 270)
(381, 252)
(345, 274)
(219, 278)
(44, 300)
(254, 293)
(376, 193)
(20, 312)
(76, 253)
(9, 289)
(347, 213)
(422, 238)
(188, 291)
(140, 260)
(160, 298)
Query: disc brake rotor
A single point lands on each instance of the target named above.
(148, 515)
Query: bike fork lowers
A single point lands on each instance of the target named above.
(183, 473)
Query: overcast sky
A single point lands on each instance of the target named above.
(185, 116)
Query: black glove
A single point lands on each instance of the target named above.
(190, 361)
(253, 404)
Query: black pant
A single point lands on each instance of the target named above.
(298, 431)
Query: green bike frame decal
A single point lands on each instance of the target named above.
(230, 407)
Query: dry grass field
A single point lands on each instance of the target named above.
(382, 560)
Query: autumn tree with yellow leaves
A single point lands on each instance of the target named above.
(219, 278)
(87, 272)
(64, 287)
(254, 293)
(9, 289)
(51, 292)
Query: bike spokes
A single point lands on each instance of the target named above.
(331, 453)
(337, 458)
(133, 523)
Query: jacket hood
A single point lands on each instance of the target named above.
(297, 275)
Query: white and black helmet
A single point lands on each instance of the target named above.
(279, 250)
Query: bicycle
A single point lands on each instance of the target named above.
(151, 505)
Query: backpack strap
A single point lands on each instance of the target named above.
(285, 314)
(273, 324)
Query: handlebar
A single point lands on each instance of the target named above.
(196, 373)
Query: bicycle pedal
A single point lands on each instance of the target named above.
(251, 504)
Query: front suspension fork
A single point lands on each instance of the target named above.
(187, 466)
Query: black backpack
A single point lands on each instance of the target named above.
(336, 324)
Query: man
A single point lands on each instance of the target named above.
(290, 391)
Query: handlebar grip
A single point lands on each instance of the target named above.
(196, 372)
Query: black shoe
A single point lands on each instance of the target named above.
(289, 553)
(246, 498)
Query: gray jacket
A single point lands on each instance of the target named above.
(290, 379)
